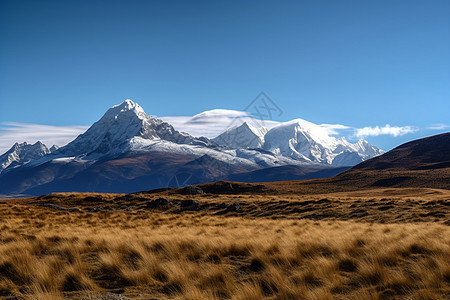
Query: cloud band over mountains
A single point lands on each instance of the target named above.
(209, 124)
(13, 132)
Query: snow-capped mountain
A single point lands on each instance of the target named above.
(127, 128)
(303, 140)
(118, 128)
(243, 136)
(300, 140)
(128, 150)
(20, 154)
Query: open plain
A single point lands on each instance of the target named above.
(227, 241)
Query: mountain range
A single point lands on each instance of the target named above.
(128, 150)
(23, 153)
(422, 163)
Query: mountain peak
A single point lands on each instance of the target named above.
(260, 131)
(22, 153)
(127, 107)
(123, 127)
(18, 145)
(242, 136)
(118, 125)
(128, 104)
(246, 125)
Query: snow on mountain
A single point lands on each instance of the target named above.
(303, 140)
(126, 128)
(127, 149)
(118, 126)
(250, 158)
(366, 150)
(20, 154)
(241, 137)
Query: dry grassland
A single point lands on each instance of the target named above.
(93, 251)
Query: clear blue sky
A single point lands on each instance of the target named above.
(358, 63)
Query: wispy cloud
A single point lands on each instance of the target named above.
(12, 132)
(387, 129)
(335, 129)
(211, 123)
(439, 126)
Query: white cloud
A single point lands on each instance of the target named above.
(211, 123)
(387, 129)
(333, 129)
(439, 127)
(12, 132)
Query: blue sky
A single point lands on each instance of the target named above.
(361, 64)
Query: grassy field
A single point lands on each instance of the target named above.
(84, 246)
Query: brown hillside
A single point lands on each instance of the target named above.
(422, 163)
(431, 153)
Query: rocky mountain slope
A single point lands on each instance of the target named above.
(23, 153)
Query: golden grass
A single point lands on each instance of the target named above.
(51, 254)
